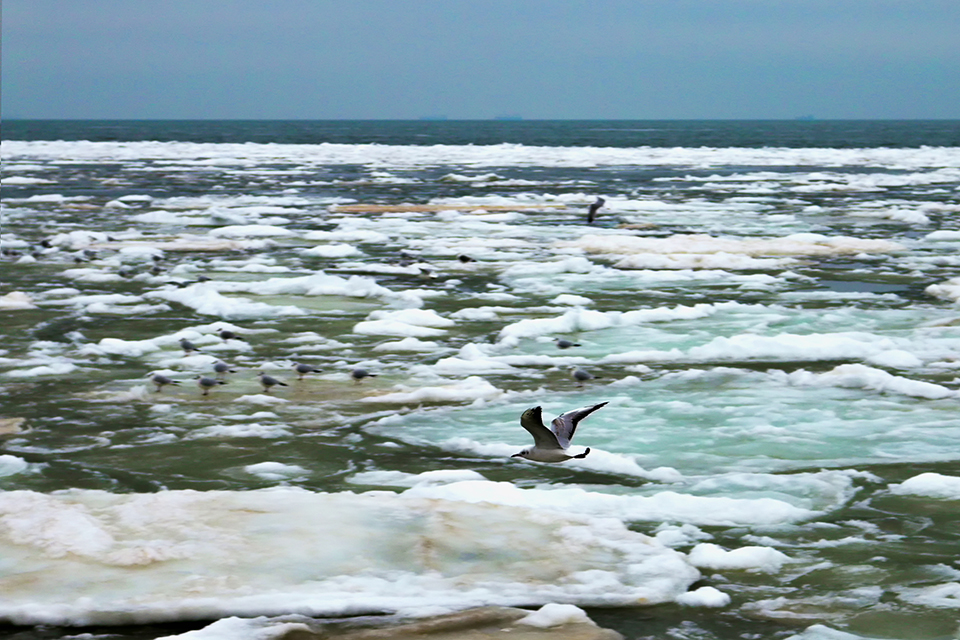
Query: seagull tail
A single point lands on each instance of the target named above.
(583, 455)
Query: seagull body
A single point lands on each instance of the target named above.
(359, 374)
(221, 367)
(581, 375)
(550, 445)
(206, 383)
(592, 211)
(566, 344)
(226, 334)
(161, 380)
(187, 346)
(270, 381)
(304, 369)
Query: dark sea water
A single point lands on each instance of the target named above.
(772, 309)
(832, 134)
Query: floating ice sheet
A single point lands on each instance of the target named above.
(500, 155)
(191, 555)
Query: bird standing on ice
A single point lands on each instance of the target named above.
(550, 445)
(221, 367)
(227, 334)
(269, 381)
(581, 375)
(206, 383)
(187, 346)
(359, 374)
(303, 369)
(161, 380)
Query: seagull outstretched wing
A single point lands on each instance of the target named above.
(564, 425)
(543, 438)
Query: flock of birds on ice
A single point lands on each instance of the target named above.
(550, 443)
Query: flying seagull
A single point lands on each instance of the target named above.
(592, 211)
(550, 445)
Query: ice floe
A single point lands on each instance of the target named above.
(931, 485)
(707, 555)
(187, 554)
(16, 300)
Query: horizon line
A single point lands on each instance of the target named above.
(499, 119)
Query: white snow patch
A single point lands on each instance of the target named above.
(930, 485)
(711, 556)
(704, 597)
(333, 250)
(275, 470)
(16, 300)
(468, 390)
(555, 615)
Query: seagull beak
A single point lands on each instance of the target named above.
(516, 455)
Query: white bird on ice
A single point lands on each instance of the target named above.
(550, 445)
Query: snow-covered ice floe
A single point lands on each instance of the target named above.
(930, 485)
(172, 555)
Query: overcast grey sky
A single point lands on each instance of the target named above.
(540, 59)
